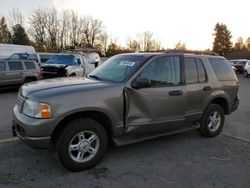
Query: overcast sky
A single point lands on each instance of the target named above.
(190, 21)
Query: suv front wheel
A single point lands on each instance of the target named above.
(82, 144)
(212, 121)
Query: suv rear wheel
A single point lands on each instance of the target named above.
(82, 144)
(212, 121)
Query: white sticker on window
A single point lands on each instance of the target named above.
(127, 63)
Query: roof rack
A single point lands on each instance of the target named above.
(192, 52)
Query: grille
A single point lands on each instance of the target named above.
(20, 102)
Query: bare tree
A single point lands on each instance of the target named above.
(37, 22)
(133, 44)
(16, 17)
(92, 28)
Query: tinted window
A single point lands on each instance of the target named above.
(163, 71)
(201, 71)
(222, 69)
(2, 66)
(191, 71)
(17, 65)
(33, 57)
(19, 56)
(29, 65)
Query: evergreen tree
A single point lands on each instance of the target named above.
(5, 36)
(19, 35)
(222, 42)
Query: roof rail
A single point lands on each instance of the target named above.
(192, 52)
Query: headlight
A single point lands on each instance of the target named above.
(36, 109)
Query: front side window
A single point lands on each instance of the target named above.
(16, 65)
(2, 66)
(164, 71)
(118, 68)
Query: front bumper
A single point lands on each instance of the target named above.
(36, 133)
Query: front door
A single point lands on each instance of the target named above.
(160, 105)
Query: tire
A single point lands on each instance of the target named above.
(211, 128)
(78, 134)
(245, 74)
(28, 80)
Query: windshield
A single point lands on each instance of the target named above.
(19, 56)
(239, 62)
(62, 59)
(118, 68)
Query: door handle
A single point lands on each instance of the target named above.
(175, 93)
(207, 88)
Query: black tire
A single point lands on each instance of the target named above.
(28, 80)
(245, 74)
(205, 126)
(70, 132)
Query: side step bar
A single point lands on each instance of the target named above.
(130, 139)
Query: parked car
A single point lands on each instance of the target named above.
(63, 65)
(40, 57)
(129, 98)
(7, 49)
(239, 64)
(247, 69)
(16, 72)
(68, 64)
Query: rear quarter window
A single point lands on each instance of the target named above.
(29, 65)
(222, 69)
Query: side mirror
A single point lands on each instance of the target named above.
(141, 83)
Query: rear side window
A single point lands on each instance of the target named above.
(16, 65)
(29, 65)
(191, 71)
(222, 69)
(2, 66)
(195, 71)
(201, 71)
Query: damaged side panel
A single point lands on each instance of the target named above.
(152, 108)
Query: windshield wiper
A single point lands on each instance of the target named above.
(94, 76)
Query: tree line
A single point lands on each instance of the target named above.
(51, 31)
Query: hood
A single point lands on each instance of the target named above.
(54, 65)
(58, 83)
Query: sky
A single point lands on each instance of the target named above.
(189, 21)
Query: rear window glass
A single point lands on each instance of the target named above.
(2, 66)
(16, 65)
(29, 65)
(222, 69)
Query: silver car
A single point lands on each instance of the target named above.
(16, 72)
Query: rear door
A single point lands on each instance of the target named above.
(198, 87)
(160, 105)
(15, 72)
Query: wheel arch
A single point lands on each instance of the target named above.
(221, 101)
(100, 117)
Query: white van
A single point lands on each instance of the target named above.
(7, 49)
